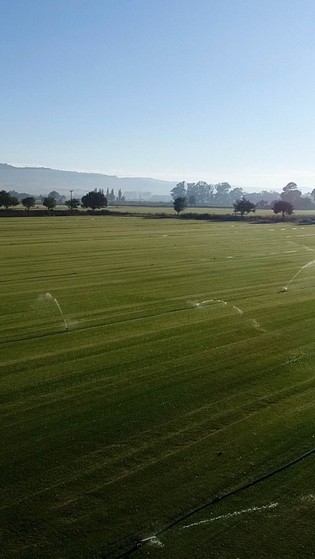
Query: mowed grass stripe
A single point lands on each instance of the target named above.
(115, 426)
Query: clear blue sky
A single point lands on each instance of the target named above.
(219, 90)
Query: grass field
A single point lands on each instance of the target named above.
(200, 210)
(153, 403)
(169, 210)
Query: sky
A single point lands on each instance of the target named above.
(215, 90)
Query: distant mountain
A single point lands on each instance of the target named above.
(41, 180)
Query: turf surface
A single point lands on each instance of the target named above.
(152, 403)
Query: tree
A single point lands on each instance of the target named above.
(14, 201)
(201, 191)
(192, 200)
(283, 207)
(28, 202)
(236, 194)
(49, 202)
(222, 195)
(291, 194)
(54, 194)
(7, 200)
(111, 198)
(179, 191)
(180, 204)
(244, 206)
(72, 204)
(304, 203)
(94, 200)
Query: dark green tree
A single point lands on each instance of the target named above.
(49, 202)
(14, 201)
(7, 200)
(283, 207)
(28, 202)
(94, 200)
(244, 206)
(72, 204)
(180, 204)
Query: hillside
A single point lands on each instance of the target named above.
(42, 180)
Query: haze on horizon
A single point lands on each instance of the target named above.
(180, 90)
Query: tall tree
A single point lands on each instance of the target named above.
(179, 191)
(222, 197)
(111, 197)
(291, 194)
(201, 191)
(236, 193)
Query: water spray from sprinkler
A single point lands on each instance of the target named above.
(49, 297)
(285, 288)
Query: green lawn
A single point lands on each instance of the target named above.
(151, 403)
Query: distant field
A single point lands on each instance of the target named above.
(217, 211)
(168, 210)
(148, 366)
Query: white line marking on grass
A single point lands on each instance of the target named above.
(232, 514)
(238, 309)
(256, 324)
(153, 540)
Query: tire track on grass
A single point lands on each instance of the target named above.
(148, 463)
(137, 467)
(138, 544)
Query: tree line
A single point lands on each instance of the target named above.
(222, 194)
(289, 198)
(94, 200)
(183, 195)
